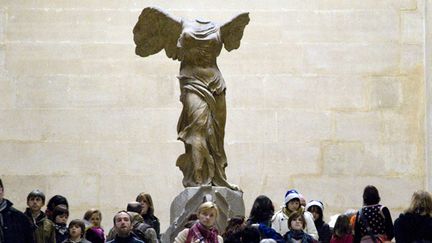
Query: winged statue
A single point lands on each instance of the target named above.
(201, 126)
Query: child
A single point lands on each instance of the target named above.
(296, 234)
(342, 230)
(44, 230)
(76, 232)
(61, 215)
(316, 208)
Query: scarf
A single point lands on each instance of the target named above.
(288, 212)
(297, 235)
(203, 234)
(3, 205)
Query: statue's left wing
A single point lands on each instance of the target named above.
(157, 30)
(232, 31)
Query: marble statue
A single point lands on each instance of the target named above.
(201, 126)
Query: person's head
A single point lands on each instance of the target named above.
(342, 226)
(207, 214)
(262, 209)
(53, 202)
(147, 203)
(76, 229)
(1, 190)
(316, 208)
(123, 223)
(296, 221)
(135, 207)
(60, 214)
(250, 234)
(292, 200)
(35, 200)
(371, 195)
(94, 216)
(235, 225)
(302, 200)
(95, 235)
(421, 203)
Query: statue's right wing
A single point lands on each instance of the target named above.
(157, 30)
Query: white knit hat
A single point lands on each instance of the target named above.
(290, 195)
(315, 203)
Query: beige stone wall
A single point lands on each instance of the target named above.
(323, 96)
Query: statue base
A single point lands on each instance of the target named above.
(230, 203)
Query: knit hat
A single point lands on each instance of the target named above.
(290, 195)
(314, 203)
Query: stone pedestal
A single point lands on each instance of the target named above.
(230, 203)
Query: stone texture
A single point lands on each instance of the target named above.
(385, 93)
(230, 203)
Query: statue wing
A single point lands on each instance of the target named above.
(232, 31)
(157, 30)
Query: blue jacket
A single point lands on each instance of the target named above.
(129, 239)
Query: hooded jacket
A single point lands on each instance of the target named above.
(14, 225)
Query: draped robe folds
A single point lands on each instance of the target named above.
(201, 125)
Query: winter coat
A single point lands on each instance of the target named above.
(14, 225)
(153, 221)
(300, 236)
(182, 236)
(81, 241)
(280, 223)
(62, 232)
(43, 228)
(323, 231)
(411, 227)
(378, 219)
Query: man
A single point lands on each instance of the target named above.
(44, 229)
(123, 226)
(14, 225)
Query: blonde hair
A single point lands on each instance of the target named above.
(90, 212)
(208, 206)
(421, 203)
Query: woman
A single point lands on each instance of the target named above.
(342, 230)
(415, 224)
(316, 208)
(373, 216)
(148, 212)
(260, 216)
(292, 205)
(201, 126)
(296, 234)
(204, 229)
(94, 217)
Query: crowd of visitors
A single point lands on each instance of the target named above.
(296, 222)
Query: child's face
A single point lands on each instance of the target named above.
(297, 224)
(315, 212)
(61, 219)
(35, 204)
(95, 219)
(75, 231)
(294, 205)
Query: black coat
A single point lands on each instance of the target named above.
(413, 227)
(16, 226)
(324, 232)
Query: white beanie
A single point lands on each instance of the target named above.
(315, 203)
(290, 195)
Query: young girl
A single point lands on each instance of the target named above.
(76, 232)
(342, 230)
(148, 212)
(61, 215)
(204, 230)
(94, 217)
(316, 208)
(296, 234)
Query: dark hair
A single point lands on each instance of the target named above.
(36, 193)
(295, 216)
(57, 200)
(79, 223)
(122, 211)
(146, 197)
(262, 210)
(234, 228)
(1, 183)
(316, 209)
(371, 195)
(342, 226)
(90, 212)
(250, 234)
(134, 207)
(190, 220)
(60, 210)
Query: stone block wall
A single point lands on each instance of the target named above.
(323, 96)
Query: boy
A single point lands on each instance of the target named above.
(44, 230)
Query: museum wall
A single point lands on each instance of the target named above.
(322, 96)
